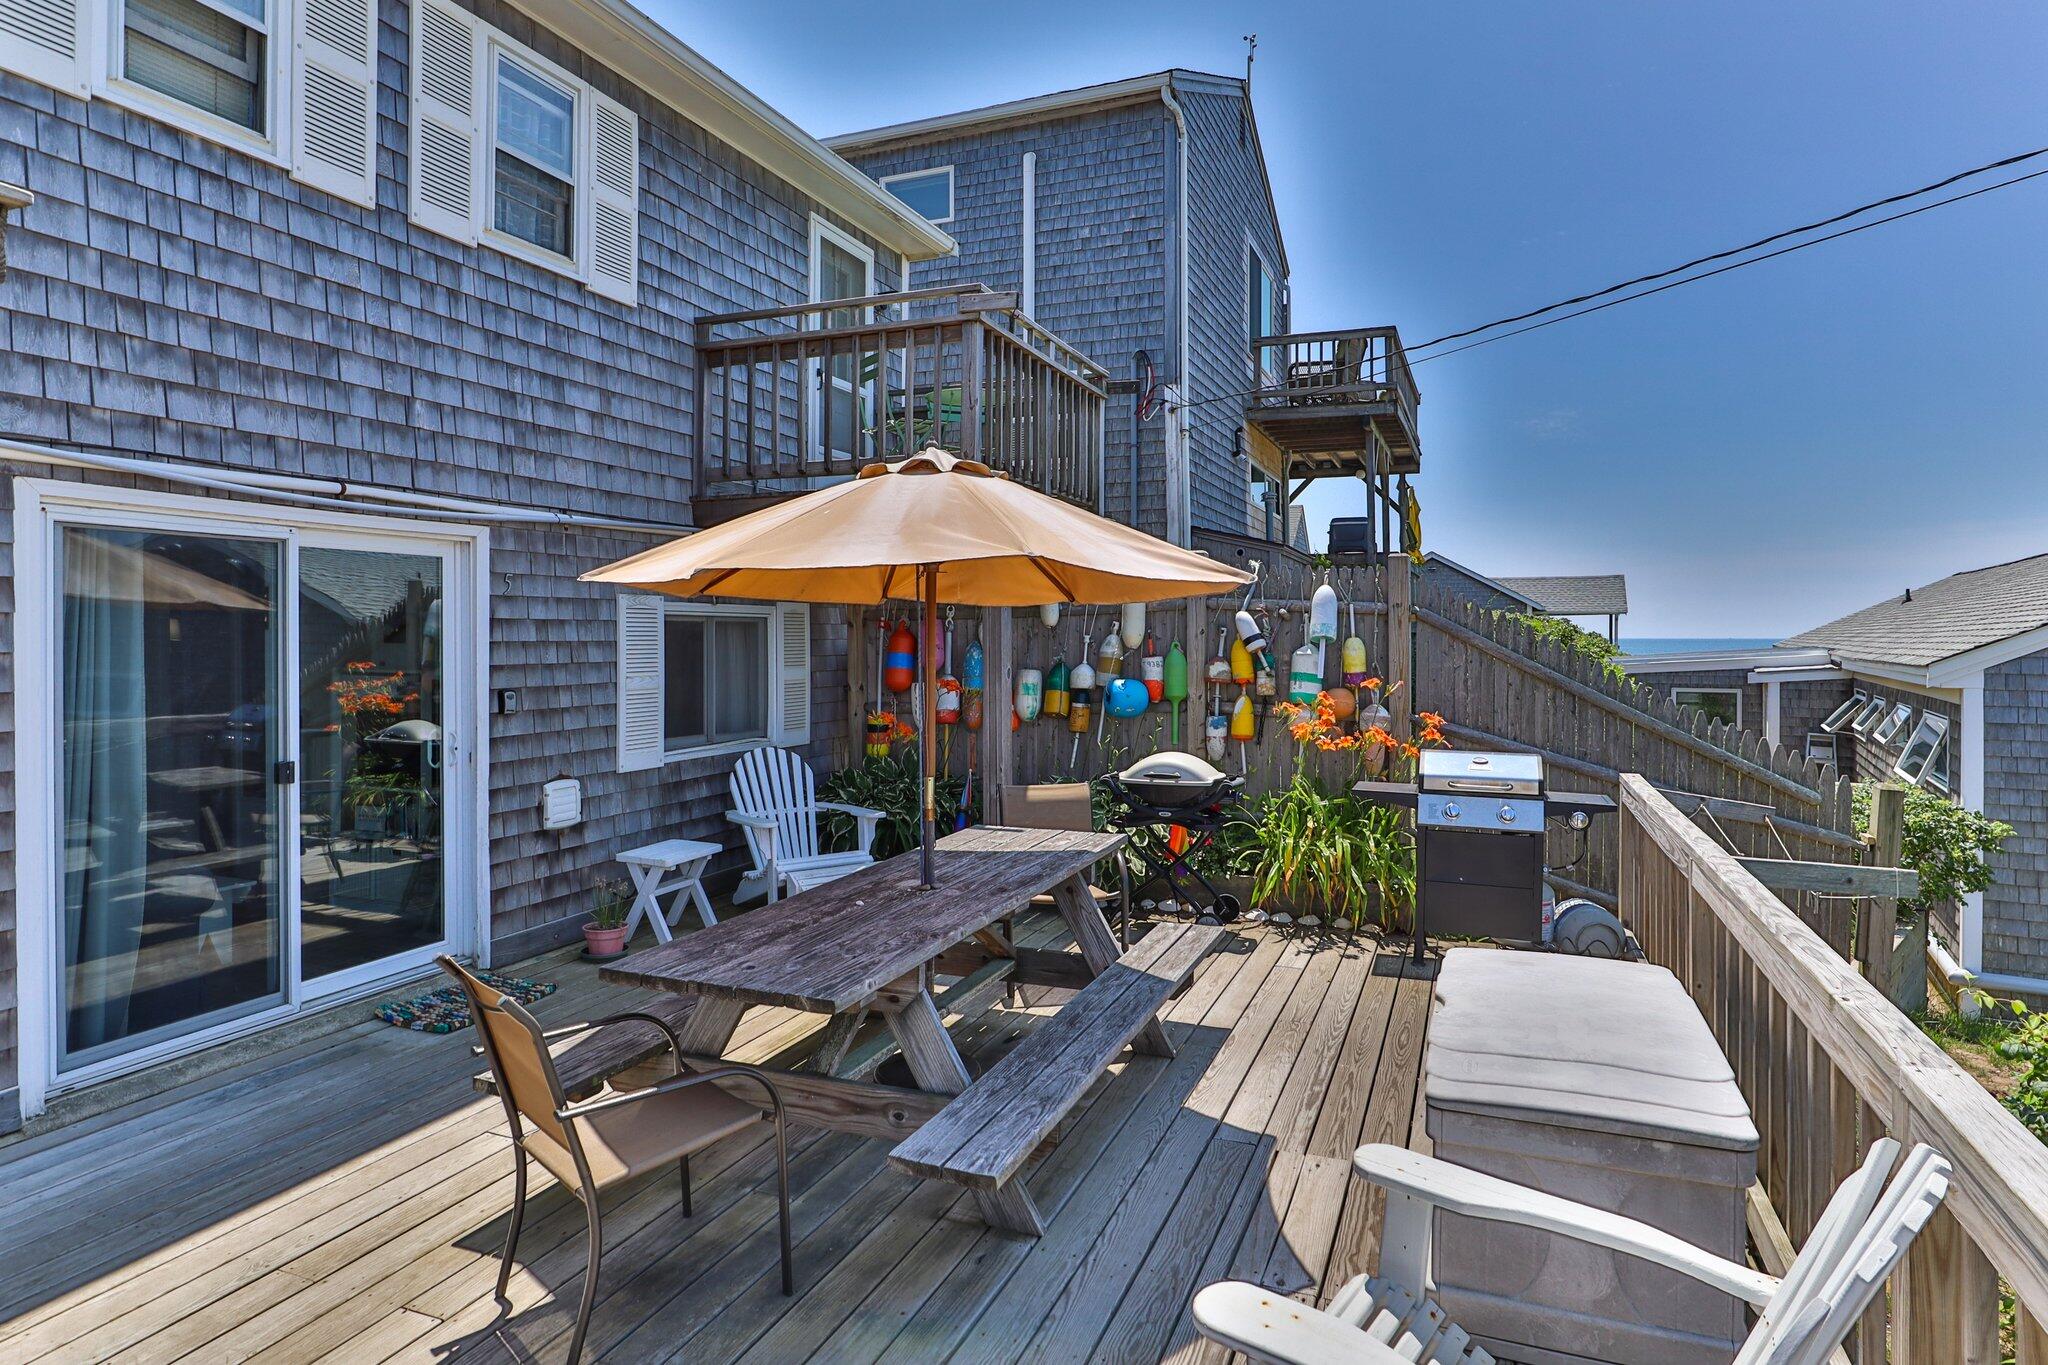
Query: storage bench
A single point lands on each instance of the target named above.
(1598, 1081)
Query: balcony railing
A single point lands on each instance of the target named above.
(821, 389)
(1332, 394)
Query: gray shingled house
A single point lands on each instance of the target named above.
(1945, 686)
(1583, 595)
(332, 348)
(1136, 220)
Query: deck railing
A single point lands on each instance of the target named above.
(1828, 1065)
(824, 388)
(1358, 365)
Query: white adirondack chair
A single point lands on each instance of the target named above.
(776, 803)
(1861, 1236)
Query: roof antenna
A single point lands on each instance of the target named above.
(1251, 48)
(1908, 597)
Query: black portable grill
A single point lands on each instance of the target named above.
(1173, 789)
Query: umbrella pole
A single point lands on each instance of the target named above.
(927, 834)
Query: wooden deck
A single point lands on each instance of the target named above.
(345, 1200)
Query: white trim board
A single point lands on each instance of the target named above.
(39, 504)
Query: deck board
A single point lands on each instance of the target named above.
(345, 1199)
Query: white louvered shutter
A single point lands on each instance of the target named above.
(793, 674)
(614, 200)
(44, 40)
(641, 744)
(334, 97)
(447, 120)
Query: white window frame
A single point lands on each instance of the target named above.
(1871, 713)
(576, 265)
(110, 40)
(769, 614)
(814, 438)
(42, 508)
(1679, 695)
(1894, 721)
(1838, 719)
(1254, 256)
(1939, 724)
(952, 204)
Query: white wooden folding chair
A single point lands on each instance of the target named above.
(775, 801)
(1860, 1238)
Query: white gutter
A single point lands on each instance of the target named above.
(317, 492)
(1029, 246)
(1030, 110)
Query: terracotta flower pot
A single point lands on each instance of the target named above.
(599, 942)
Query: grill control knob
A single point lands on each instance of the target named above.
(1451, 811)
(1507, 815)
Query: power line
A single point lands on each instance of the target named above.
(1703, 260)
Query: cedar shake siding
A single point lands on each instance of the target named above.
(1105, 223)
(1802, 706)
(1717, 679)
(1869, 761)
(171, 299)
(2016, 791)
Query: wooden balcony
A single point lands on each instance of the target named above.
(1334, 403)
(791, 397)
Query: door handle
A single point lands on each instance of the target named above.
(284, 772)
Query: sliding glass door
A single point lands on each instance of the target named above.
(252, 791)
(169, 808)
(371, 692)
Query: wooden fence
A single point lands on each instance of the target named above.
(1497, 684)
(1828, 1065)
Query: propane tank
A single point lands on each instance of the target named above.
(1322, 615)
(1049, 614)
(1056, 689)
(899, 663)
(1304, 677)
(1030, 694)
(972, 675)
(1133, 623)
(1152, 672)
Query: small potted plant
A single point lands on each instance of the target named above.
(604, 936)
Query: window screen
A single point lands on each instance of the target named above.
(715, 679)
(198, 55)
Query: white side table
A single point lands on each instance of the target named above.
(671, 866)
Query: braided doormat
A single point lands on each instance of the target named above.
(446, 1010)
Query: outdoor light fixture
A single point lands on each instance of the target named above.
(12, 197)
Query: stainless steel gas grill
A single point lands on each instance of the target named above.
(1479, 827)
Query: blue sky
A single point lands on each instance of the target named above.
(1758, 453)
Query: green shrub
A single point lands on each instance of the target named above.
(1311, 846)
(1949, 847)
(1597, 649)
(891, 786)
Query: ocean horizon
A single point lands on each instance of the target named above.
(1690, 644)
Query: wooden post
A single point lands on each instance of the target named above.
(1881, 913)
(973, 378)
(854, 750)
(1194, 723)
(1401, 646)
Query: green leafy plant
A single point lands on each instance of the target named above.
(891, 786)
(1558, 631)
(1949, 847)
(611, 900)
(2016, 1037)
(1308, 845)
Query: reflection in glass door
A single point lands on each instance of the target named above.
(371, 695)
(168, 835)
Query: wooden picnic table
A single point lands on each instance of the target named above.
(867, 943)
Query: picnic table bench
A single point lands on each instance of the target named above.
(866, 944)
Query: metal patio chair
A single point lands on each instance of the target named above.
(595, 1144)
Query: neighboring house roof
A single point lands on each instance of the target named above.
(1952, 616)
(1297, 529)
(1600, 594)
(679, 76)
(1495, 584)
(1157, 85)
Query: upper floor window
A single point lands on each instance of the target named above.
(289, 82)
(1262, 317)
(928, 193)
(211, 56)
(509, 149)
(535, 192)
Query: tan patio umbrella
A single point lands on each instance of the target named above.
(932, 528)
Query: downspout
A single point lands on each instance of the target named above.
(1970, 926)
(1181, 365)
(1029, 246)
